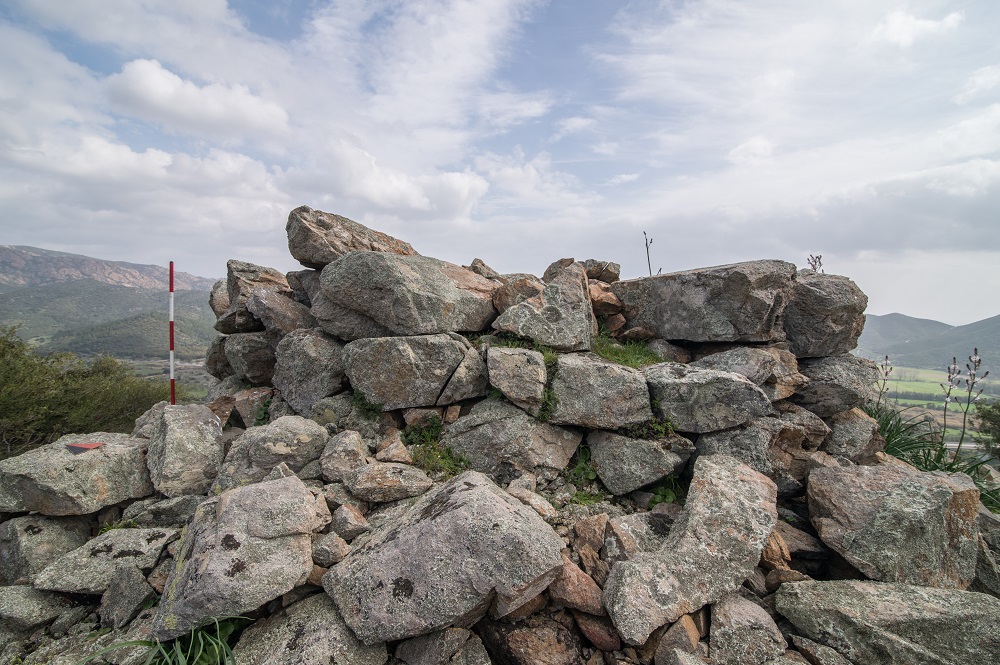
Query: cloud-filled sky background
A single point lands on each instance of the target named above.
(518, 131)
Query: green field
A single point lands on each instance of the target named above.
(920, 391)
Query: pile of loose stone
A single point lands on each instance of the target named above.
(294, 503)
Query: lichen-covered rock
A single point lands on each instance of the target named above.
(146, 423)
(437, 564)
(775, 370)
(625, 464)
(711, 549)
(599, 394)
(602, 271)
(401, 372)
(560, 316)
(185, 450)
(741, 302)
(894, 624)
(304, 285)
(53, 481)
(279, 312)
(743, 632)
(519, 374)
(517, 289)
(125, 596)
(497, 437)
(854, 435)
(169, 512)
(308, 367)
(292, 440)
(538, 641)
(242, 549)
(30, 543)
(241, 281)
(373, 294)
(469, 380)
(309, 632)
(251, 356)
(703, 400)
(387, 481)
(825, 315)
(897, 524)
(89, 568)
(836, 384)
(24, 608)
(315, 238)
(216, 362)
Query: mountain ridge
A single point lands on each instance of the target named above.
(925, 343)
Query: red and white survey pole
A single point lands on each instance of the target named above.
(173, 396)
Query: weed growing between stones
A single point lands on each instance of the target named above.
(581, 471)
(369, 410)
(120, 524)
(668, 490)
(657, 428)
(631, 354)
(262, 416)
(429, 453)
(915, 440)
(205, 645)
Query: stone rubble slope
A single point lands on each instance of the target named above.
(408, 461)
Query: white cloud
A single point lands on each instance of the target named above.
(980, 81)
(573, 125)
(754, 151)
(505, 109)
(145, 89)
(903, 29)
(621, 179)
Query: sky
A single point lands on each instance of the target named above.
(519, 132)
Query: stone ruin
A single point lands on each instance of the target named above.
(302, 498)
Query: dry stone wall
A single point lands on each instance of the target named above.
(413, 462)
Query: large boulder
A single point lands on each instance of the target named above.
(625, 464)
(251, 356)
(241, 281)
(53, 481)
(309, 632)
(836, 384)
(279, 313)
(703, 400)
(825, 315)
(185, 450)
(402, 372)
(519, 374)
(315, 238)
(372, 294)
(292, 440)
(308, 367)
(89, 568)
(497, 438)
(854, 435)
(30, 543)
(599, 394)
(713, 546)
(894, 624)
(741, 302)
(560, 316)
(897, 524)
(438, 563)
(775, 370)
(242, 549)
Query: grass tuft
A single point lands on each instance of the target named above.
(429, 453)
(369, 410)
(633, 354)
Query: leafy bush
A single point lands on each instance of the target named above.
(45, 397)
(988, 422)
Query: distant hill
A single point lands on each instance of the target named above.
(912, 342)
(119, 308)
(31, 266)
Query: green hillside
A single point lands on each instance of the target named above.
(929, 344)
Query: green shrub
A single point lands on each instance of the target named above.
(43, 397)
(205, 645)
(428, 452)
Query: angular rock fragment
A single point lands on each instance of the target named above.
(517, 289)
(185, 450)
(854, 435)
(25, 608)
(53, 481)
(387, 481)
(625, 464)
(218, 299)
(170, 512)
(309, 632)
(825, 315)
(602, 271)
(576, 589)
(372, 294)
(742, 632)
(279, 312)
(560, 316)
(316, 238)
(400, 372)
(897, 524)
(438, 648)
(703, 400)
(126, 594)
(436, 565)
(539, 641)
(495, 436)
(146, 423)
(741, 302)
(308, 367)
(711, 549)
(292, 440)
(251, 356)
(519, 374)
(242, 549)
(599, 394)
(469, 380)
(836, 384)
(243, 279)
(304, 285)
(89, 568)
(30, 543)
(344, 453)
(216, 362)
(894, 624)
(775, 370)
(604, 302)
